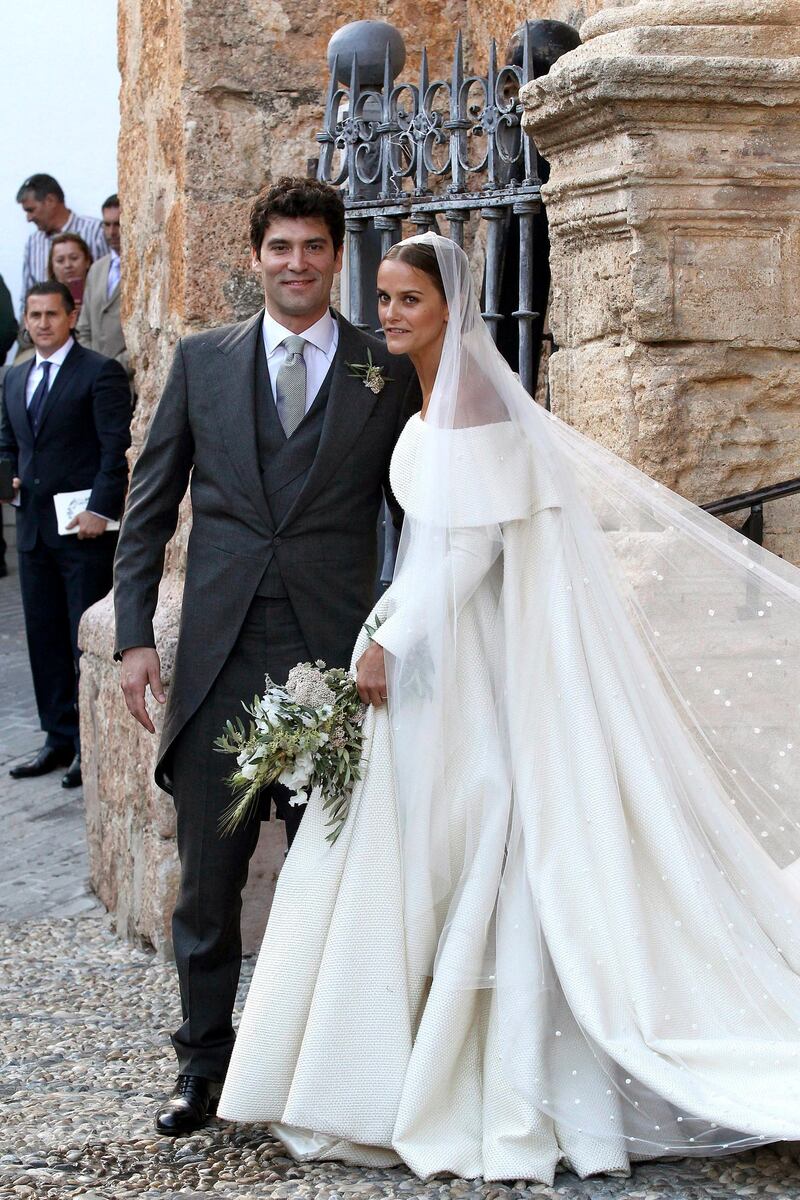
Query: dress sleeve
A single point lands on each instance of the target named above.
(470, 556)
(491, 482)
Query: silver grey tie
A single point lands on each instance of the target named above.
(290, 386)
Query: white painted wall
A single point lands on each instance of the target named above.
(59, 110)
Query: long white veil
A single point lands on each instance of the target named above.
(641, 694)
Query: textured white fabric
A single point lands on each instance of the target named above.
(362, 1039)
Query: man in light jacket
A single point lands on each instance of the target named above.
(99, 325)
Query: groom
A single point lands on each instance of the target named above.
(287, 455)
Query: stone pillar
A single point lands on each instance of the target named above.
(673, 136)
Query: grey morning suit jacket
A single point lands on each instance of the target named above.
(204, 432)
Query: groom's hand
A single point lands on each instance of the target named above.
(141, 666)
(371, 676)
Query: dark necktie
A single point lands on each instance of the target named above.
(38, 398)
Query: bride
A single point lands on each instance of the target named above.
(560, 925)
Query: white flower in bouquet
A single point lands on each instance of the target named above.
(296, 776)
(268, 708)
(305, 735)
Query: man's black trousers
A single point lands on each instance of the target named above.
(206, 922)
(58, 585)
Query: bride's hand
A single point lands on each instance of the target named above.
(371, 676)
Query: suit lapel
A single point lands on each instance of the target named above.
(65, 373)
(111, 300)
(16, 389)
(235, 365)
(105, 300)
(349, 406)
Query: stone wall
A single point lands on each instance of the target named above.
(673, 135)
(500, 19)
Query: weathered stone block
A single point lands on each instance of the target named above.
(500, 19)
(673, 135)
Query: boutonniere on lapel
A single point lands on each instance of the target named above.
(370, 375)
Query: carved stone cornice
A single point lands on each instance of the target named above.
(726, 61)
(626, 14)
(665, 108)
(673, 136)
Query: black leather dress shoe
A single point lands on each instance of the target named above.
(73, 777)
(48, 758)
(193, 1100)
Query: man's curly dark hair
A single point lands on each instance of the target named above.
(294, 196)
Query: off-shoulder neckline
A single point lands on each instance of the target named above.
(459, 428)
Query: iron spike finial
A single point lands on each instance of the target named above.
(527, 52)
(353, 80)
(332, 86)
(457, 78)
(387, 71)
(458, 60)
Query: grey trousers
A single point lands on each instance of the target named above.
(206, 922)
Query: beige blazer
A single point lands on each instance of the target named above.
(99, 324)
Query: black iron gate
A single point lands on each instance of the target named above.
(443, 150)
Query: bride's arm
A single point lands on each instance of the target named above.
(470, 556)
(490, 485)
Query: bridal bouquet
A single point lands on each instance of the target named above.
(306, 734)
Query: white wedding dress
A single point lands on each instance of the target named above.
(580, 993)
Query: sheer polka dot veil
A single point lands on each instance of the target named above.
(637, 661)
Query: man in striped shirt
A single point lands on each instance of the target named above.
(42, 199)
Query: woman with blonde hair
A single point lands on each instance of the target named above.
(69, 262)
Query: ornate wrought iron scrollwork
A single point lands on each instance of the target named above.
(437, 149)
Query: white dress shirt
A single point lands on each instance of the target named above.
(55, 360)
(322, 339)
(113, 274)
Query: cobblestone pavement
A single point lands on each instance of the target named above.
(43, 867)
(84, 1022)
(83, 1030)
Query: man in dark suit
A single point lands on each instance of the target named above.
(65, 427)
(288, 455)
(8, 335)
(8, 323)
